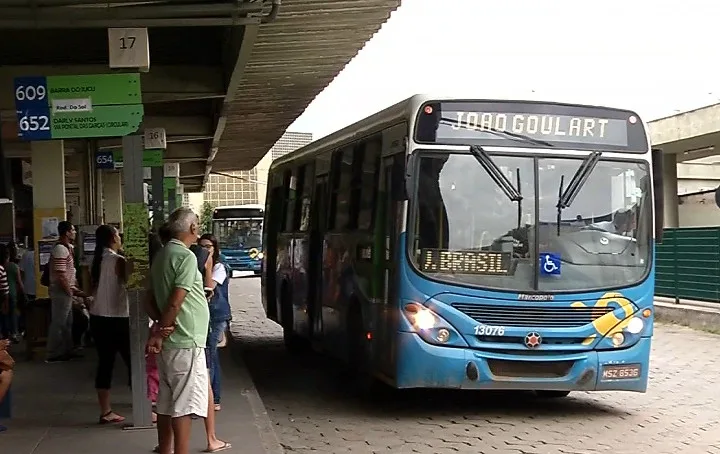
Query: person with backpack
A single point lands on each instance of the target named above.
(59, 277)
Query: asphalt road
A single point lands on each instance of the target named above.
(314, 410)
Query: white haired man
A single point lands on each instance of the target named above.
(177, 303)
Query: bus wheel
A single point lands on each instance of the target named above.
(552, 394)
(293, 342)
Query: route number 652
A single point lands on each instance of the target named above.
(489, 330)
(34, 123)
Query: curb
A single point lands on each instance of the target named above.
(270, 440)
(696, 317)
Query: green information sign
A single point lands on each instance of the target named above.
(136, 226)
(74, 107)
(100, 89)
(151, 158)
(102, 121)
(169, 183)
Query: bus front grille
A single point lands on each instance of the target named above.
(529, 369)
(532, 316)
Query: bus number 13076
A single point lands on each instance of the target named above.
(489, 330)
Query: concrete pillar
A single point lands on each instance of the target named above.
(48, 174)
(670, 191)
(113, 198)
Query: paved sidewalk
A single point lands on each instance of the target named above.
(55, 412)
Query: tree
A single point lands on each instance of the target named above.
(206, 214)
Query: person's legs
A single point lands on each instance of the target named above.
(122, 343)
(13, 320)
(68, 340)
(105, 334)
(6, 377)
(60, 313)
(183, 392)
(213, 360)
(213, 443)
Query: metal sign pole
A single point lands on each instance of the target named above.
(134, 196)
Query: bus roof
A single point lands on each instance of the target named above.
(389, 116)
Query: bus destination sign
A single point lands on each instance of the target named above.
(530, 125)
(468, 262)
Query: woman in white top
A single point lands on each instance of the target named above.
(109, 315)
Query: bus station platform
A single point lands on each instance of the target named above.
(55, 411)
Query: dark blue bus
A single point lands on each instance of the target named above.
(238, 230)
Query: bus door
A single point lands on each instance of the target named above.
(271, 231)
(318, 227)
(387, 231)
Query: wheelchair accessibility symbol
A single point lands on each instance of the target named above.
(549, 263)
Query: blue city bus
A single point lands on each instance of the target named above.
(238, 230)
(471, 244)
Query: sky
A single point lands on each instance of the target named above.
(656, 57)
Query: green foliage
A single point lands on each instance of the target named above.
(206, 213)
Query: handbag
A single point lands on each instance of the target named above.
(6, 361)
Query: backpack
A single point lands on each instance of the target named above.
(45, 277)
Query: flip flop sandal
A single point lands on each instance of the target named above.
(156, 449)
(104, 419)
(224, 447)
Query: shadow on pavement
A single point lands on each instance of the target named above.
(311, 382)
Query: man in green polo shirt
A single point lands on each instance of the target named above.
(182, 310)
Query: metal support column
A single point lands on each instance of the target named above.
(172, 200)
(133, 194)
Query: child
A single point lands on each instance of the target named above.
(153, 379)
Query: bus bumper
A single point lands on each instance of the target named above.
(422, 365)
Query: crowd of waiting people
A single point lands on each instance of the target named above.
(188, 307)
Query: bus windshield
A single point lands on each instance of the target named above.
(468, 231)
(238, 233)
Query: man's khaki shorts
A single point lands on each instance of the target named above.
(184, 382)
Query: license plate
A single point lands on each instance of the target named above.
(621, 372)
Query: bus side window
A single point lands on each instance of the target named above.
(286, 213)
(368, 182)
(340, 199)
(305, 186)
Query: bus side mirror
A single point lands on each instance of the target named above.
(658, 193)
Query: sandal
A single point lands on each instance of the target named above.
(225, 446)
(156, 449)
(105, 419)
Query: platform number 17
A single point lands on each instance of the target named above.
(127, 42)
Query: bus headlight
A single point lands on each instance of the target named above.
(629, 334)
(260, 256)
(635, 325)
(432, 328)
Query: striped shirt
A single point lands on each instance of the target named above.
(62, 263)
(4, 286)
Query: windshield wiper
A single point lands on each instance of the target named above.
(567, 195)
(495, 173)
(495, 131)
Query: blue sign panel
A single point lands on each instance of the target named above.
(104, 160)
(32, 108)
(550, 263)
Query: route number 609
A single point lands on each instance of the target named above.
(489, 330)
